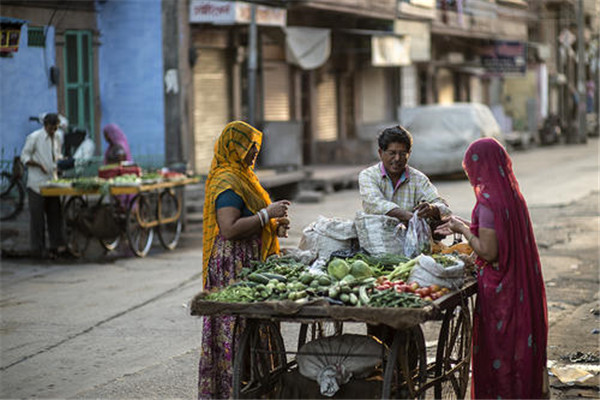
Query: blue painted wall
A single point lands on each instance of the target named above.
(131, 70)
(25, 90)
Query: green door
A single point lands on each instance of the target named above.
(79, 80)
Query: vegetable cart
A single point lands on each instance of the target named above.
(260, 357)
(138, 210)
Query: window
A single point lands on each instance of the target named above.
(36, 36)
(79, 80)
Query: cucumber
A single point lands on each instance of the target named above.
(270, 275)
(258, 278)
(345, 297)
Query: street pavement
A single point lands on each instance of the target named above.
(120, 328)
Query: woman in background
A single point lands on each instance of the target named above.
(118, 147)
(240, 225)
(510, 323)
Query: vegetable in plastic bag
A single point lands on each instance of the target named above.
(418, 237)
(333, 361)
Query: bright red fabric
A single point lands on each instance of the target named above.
(510, 323)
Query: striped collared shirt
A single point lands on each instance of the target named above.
(379, 196)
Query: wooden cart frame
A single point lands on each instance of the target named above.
(151, 207)
(260, 357)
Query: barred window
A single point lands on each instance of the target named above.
(36, 37)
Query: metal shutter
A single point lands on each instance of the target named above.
(374, 95)
(276, 86)
(211, 104)
(326, 109)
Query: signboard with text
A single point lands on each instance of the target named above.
(504, 57)
(234, 12)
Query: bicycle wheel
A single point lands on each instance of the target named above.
(406, 367)
(453, 354)
(139, 237)
(170, 207)
(259, 360)
(76, 240)
(12, 197)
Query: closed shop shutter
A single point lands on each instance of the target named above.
(374, 95)
(276, 85)
(409, 87)
(211, 104)
(326, 109)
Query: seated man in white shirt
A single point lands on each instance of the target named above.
(40, 154)
(391, 187)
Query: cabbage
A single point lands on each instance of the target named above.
(338, 268)
(360, 269)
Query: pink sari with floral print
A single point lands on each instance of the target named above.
(510, 323)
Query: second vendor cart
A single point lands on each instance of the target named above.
(149, 207)
(261, 360)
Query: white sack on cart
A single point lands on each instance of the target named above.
(326, 235)
(380, 234)
(428, 272)
(333, 361)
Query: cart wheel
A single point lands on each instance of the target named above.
(453, 354)
(259, 360)
(406, 366)
(76, 240)
(168, 234)
(140, 239)
(319, 329)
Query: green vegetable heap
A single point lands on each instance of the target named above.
(355, 281)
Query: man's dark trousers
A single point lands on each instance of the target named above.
(44, 209)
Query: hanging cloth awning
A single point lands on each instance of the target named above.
(308, 48)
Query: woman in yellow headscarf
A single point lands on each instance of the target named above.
(240, 225)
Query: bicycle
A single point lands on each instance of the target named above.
(12, 191)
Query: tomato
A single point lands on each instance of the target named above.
(435, 295)
(426, 291)
(399, 289)
(435, 288)
(427, 298)
(414, 285)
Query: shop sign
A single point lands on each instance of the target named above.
(234, 12)
(390, 51)
(504, 57)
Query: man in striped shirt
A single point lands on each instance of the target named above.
(393, 188)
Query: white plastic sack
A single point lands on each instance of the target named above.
(428, 272)
(418, 237)
(379, 234)
(333, 361)
(326, 235)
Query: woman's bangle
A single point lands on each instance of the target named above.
(265, 215)
(260, 219)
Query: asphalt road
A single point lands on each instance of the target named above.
(122, 329)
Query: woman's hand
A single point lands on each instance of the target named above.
(452, 225)
(278, 209)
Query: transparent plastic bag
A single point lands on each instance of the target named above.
(418, 237)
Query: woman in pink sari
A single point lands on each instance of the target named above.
(118, 147)
(510, 323)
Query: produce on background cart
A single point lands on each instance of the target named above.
(156, 206)
(260, 358)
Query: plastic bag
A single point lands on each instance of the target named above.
(418, 237)
(379, 234)
(326, 235)
(333, 361)
(428, 272)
